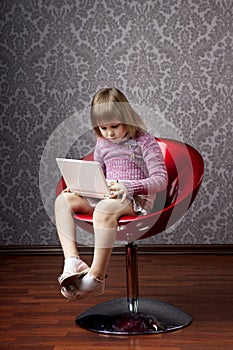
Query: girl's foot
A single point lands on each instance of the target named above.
(74, 269)
(86, 287)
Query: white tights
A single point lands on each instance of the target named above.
(105, 218)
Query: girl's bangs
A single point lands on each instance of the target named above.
(105, 113)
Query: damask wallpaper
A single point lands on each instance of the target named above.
(172, 58)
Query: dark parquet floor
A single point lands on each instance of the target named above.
(35, 316)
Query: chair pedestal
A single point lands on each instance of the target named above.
(133, 315)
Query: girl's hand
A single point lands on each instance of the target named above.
(118, 190)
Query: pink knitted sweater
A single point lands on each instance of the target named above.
(138, 163)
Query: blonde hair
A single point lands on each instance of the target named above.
(110, 103)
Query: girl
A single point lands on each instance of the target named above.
(133, 164)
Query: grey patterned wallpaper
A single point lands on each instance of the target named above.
(172, 56)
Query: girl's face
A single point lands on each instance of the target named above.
(114, 131)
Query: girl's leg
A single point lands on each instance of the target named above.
(105, 223)
(66, 204)
(105, 219)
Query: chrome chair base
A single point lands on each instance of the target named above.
(149, 316)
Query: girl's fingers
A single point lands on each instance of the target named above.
(118, 189)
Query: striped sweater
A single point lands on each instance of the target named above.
(138, 163)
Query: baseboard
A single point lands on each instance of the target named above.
(223, 249)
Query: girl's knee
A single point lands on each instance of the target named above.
(113, 207)
(59, 201)
(105, 214)
(64, 200)
(73, 203)
(107, 206)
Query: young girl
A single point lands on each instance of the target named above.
(134, 167)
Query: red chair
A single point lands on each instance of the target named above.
(136, 315)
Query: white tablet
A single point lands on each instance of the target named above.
(85, 178)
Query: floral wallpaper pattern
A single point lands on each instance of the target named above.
(175, 56)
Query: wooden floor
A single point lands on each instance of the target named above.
(35, 316)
